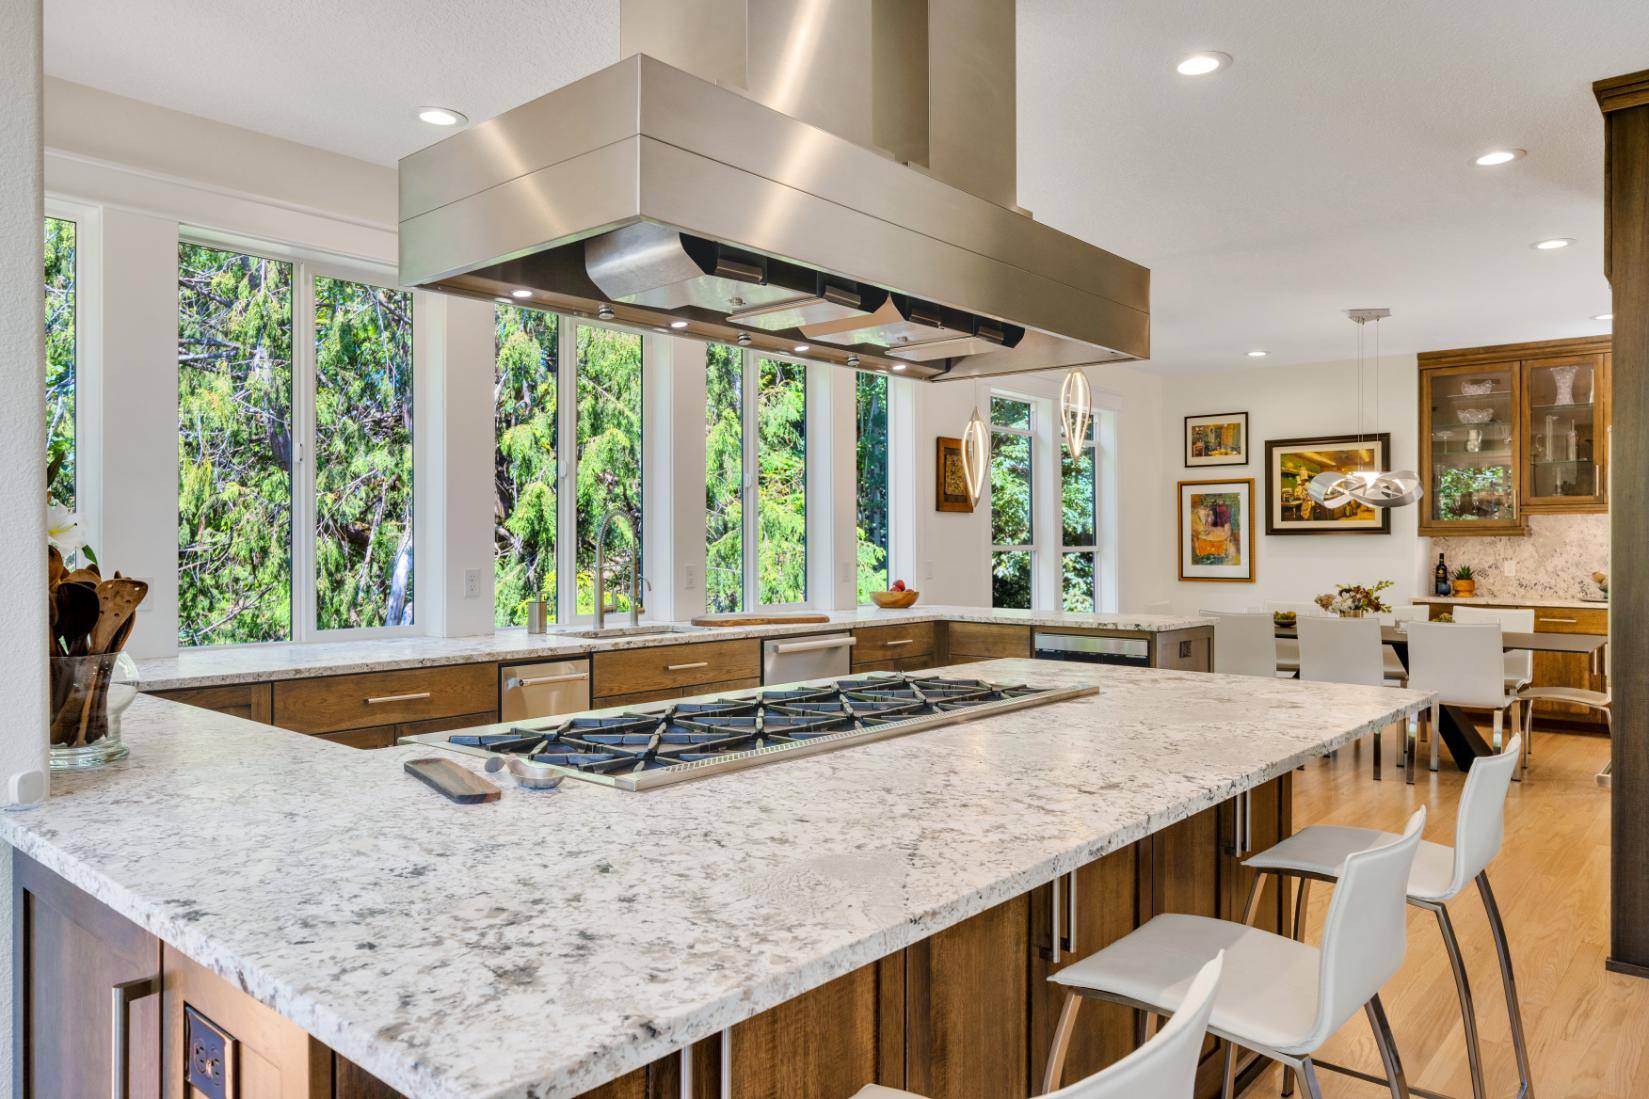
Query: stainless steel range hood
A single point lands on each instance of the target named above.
(870, 215)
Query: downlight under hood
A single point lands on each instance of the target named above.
(648, 196)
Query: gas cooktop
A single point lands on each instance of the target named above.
(658, 745)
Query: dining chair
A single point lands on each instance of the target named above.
(1519, 662)
(1462, 664)
(1288, 649)
(1165, 1067)
(1244, 643)
(1413, 612)
(1344, 650)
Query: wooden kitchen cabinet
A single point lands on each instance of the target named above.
(969, 642)
(910, 645)
(1565, 423)
(253, 701)
(335, 703)
(657, 671)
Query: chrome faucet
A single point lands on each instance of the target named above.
(601, 607)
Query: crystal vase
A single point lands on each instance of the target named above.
(88, 696)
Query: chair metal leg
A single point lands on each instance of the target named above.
(1300, 899)
(1377, 755)
(1498, 929)
(1252, 908)
(1388, 1049)
(1308, 1074)
(1228, 1084)
(1432, 728)
(1062, 1043)
(1517, 730)
(1468, 1016)
(1411, 745)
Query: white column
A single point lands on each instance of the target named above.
(673, 394)
(129, 430)
(832, 490)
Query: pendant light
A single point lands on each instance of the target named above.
(1076, 411)
(975, 454)
(1373, 488)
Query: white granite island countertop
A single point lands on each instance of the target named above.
(396, 927)
(227, 664)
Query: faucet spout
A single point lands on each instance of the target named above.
(633, 521)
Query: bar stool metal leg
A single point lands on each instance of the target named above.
(1300, 899)
(1062, 1043)
(1468, 1016)
(1388, 1049)
(1308, 1074)
(1502, 948)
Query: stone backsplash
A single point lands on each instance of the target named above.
(1555, 560)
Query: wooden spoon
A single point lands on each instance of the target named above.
(85, 575)
(118, 600)
(54, 567)
(77, 613)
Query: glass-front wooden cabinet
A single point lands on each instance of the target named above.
(1564, 465)
(1513, 430)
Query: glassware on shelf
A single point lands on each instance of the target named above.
(1563, 377)
(1474, 415)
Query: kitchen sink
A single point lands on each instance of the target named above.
(633, 631)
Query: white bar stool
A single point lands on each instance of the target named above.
(1163, 1068)
(1244, 643)
(1323, 853)
(1280, 998)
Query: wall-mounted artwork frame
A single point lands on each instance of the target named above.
(1216, 530)
(1291, 463)
(950, 490)
(1216, 439)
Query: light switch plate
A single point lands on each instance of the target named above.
(690, 577)
(1509, 568)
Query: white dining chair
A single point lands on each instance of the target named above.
(1519, 663)
(1165, 1067)
(1414, 612)
(1288, 649)
(1344, 650)
(1244, 643)
(1462, 665)
(1440, 874)
(1280, 998)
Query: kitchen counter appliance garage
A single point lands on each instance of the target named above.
(650, 746)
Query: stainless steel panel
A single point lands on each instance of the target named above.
(704, 37)
(793, 659)
(797, 312)
(527, 691)
(810, 59)
(972, 103)
(1136, 648)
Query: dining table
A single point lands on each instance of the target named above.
(1455, 725)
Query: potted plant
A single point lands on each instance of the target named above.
(1465, 582)
(1355, 600)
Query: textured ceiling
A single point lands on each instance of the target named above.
(1329, 167)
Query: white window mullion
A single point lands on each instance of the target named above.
(304, 571)
(750, 503)
(566, 472)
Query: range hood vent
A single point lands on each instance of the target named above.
(860, 200)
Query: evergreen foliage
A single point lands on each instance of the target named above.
(60, 248)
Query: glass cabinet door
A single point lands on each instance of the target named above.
(1471, 448)
(1564, 454)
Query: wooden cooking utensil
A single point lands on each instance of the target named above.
(77, 614)
(458, 783)
(118, 600)
(86, 574)
(54, 567)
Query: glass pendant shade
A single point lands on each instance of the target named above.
(975, 455)
(1371, 488)
(1076, 411)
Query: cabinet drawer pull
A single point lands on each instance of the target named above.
(122, 997)
(687, 667)
(416, 696)
(898, 642)
(816, 646)
(1561, 621)
(537, 680)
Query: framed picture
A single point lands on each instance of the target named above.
(1216, 530)
(1218, 439)
(951, 491)
(1290, 464)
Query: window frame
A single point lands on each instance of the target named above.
(751, 398)
(88, 366)
(1093, 449)
(1029, 433)
(888, 484)
(307, 266)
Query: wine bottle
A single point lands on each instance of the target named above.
(1441, 587)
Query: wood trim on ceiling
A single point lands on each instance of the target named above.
(1513, 352)
(1616, 93)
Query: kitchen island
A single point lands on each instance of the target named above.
(884, 911)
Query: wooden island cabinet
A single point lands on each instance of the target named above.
(966, 1013)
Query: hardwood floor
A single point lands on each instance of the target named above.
(1588, 1029)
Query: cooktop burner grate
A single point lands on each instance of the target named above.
(649, 747)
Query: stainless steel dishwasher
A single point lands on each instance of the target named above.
(816, 656)
(543, 689)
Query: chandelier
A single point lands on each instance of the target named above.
(1372, 488)
(975, 454)
(1076, 411)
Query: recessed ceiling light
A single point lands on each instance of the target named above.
(605, 313)
(1604, 317)
(1202, 63)
(1552, 244)
(678, 324)
(441, 116)
(802, 348)
(1257, 354)
(1496, 157)
(522, 293)
(898, 366)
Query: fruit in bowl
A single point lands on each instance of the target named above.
(1284, 618)
(895, 597)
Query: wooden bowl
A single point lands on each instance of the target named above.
(894, 600)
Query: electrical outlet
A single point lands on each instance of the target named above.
(472, 583)
(690, 577)
(927, 570)
(844, 573)
(1509, 568)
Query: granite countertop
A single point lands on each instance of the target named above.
(414, 936)
(228, 664)
(1514, 601)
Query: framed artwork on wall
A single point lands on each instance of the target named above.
(1290, 464)
(1217, 439)
(1216, 530)
(950, 493)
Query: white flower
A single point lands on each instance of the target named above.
(63, 529)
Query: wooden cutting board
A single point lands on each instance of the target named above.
(793, 618)
(458, 783)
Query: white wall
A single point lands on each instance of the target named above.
(1289, 403)
(22, 436)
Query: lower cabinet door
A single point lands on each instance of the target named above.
(71, 953)
(966, 1024)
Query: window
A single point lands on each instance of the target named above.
(724, 443)
(525, 414)
(608, 464)
(781, 481)
(60, 284)
(1078, 536)
(1011, 498)
(235, 499)
(363, 455)
(872, 452)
